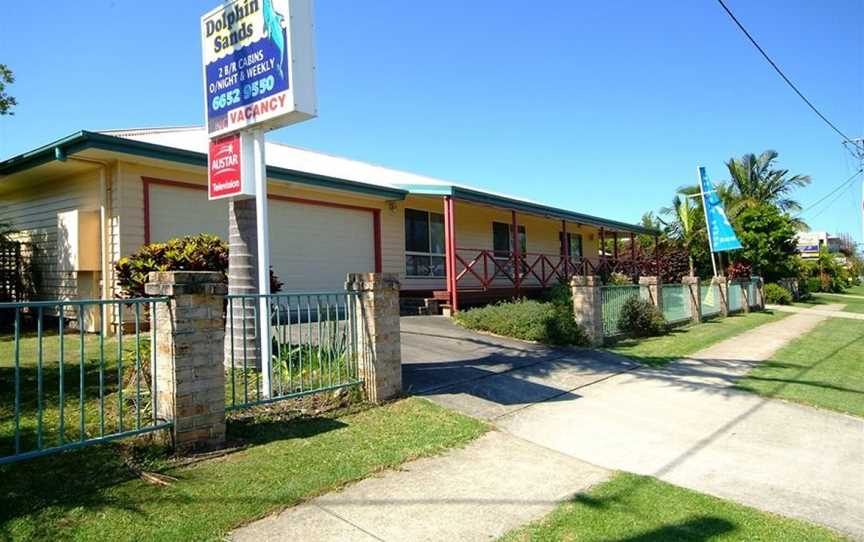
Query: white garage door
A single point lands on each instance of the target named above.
(312, 247)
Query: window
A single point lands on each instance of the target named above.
(424, 244)
(502, 239)
(574, 240)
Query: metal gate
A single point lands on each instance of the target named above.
(314, 344)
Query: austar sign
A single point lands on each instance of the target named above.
(225, 178)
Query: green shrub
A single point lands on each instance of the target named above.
(619, 279)
(200, 252)
(777, 295)
(640, 318)
(529, 320)
(559, 295)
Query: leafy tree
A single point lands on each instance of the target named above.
(6, 101)
(755, 181)
(768, 239)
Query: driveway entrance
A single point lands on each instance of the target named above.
(487, 376)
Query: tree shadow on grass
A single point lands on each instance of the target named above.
(695, 530)
(82, 479)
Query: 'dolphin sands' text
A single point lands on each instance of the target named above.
(234, 20)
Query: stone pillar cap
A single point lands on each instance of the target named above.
(587, 280)
(372, 281)
(185, 282)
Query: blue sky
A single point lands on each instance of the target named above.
(602, 107)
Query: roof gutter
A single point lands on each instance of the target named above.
(83, 140)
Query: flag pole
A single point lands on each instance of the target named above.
(699, 172)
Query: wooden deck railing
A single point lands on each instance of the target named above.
(483, 269)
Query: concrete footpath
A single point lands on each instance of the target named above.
(478, 493)
(822, 310)
(684, 424)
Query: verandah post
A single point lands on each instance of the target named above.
(516, 250)
(566, 249)
(450, 253)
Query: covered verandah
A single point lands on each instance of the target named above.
(498, 248)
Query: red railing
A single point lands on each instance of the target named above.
(483, 269)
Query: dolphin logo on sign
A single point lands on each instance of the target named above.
(273, 22)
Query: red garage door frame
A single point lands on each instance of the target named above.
(146, 182)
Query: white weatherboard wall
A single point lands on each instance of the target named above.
(312, 247)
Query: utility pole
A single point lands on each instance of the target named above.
(856, 148)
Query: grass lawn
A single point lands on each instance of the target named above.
(681, 342)
(111, 374)
(856, 290)
(852, 304)
(824, 368)
(636, 508)
(92, 495)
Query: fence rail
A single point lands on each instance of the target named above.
(710, 300)
(736, 298)
(676, 303)
(612, 299)
(63, 387)
(314, 346)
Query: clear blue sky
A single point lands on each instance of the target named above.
(603, 107)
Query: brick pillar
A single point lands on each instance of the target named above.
(190, 377)
(760, 293)
(692, 287)
(745, 296)
(652, 287)
(588, 306)
(723, 287)
(378, 341)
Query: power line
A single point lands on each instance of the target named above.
(829, 194)
(783, 75)
(832, 202)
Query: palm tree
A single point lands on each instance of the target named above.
(684, 225)
(754, 180)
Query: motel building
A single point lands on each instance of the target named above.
(82, 202)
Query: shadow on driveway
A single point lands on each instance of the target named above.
(488, 376)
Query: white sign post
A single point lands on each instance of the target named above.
(259, 64)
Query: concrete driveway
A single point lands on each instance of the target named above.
(488, 377)
(685, 424)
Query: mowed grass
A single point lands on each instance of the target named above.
(86, 358)
(644, 509)
(681, 342)
(856, 290)
(852, 304)
(824, 368)
(92, 495)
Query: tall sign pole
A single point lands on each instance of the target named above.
(258, 63)
(705, 209)
(721, 235)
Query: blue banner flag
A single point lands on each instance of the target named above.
(720, 233)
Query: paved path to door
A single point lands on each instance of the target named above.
(564, 419)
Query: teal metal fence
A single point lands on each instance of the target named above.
(736, 298)
(612, 299)
(314, 341)
(62, 387)
(676, 303)
(710, 300)
(752, 293)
